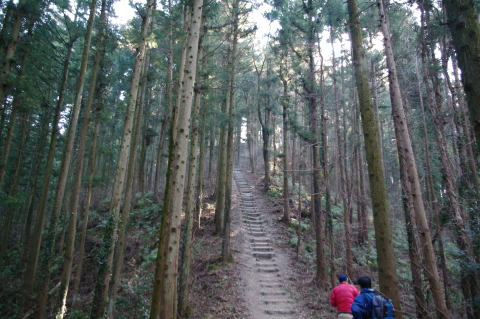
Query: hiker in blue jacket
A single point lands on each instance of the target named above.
(363, 305)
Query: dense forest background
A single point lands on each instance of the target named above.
(118, 146)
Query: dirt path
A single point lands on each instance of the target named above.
(263, 268)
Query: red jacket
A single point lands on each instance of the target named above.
(342, 297)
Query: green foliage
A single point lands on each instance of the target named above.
(274, 192)
(10, 271)
(293, 242)
(78, 314)
(366, 256)
(295, 224)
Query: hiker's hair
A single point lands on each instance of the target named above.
(364, 282)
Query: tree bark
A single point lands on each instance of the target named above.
(226, 254)
(164, 297)
(65, 166)
(106, 254)
(119, 253)
(386, 260)
(413, 189)
(463, 23)
(33, 251)
(191, 199)
(77, 182)
(285, 104)
(469, 285)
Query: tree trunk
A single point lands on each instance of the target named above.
(286, 199)
(413, 190)
(469, 285)
(386, 260)
(226, 254)
(34, 244)
(119, 253)
(8, 58)
(463, 23)
(309, 82)
(65, 166)
(92, 164)
(200, 183)
(105, 258)
(143, 103)
(221, 177)
(191, 199)
(164, 297)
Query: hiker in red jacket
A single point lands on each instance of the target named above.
(342, 297)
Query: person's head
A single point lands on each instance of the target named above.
(364, 282)
(342, 277)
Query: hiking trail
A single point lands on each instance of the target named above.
(263, 266)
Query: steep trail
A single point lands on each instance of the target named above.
(263, 267)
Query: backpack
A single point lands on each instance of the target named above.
(382, 308)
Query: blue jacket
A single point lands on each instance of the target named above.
(362, 305)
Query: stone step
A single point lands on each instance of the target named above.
(279, 312)
(256, 241)
(268, 270)
(266, 263)
(257, 233)
(261, 244)
(271, 286)
(255, 222)
(273, 293)
(263, 255)
(277, 302)
(256, 248)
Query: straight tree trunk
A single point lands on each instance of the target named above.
(92, 164)
(164, 296)
(386, 260)
(462, 18)
(265, 126)
(33, 251)
(414, 195)
(12, 189)
(190, 199)
(65, 166)
(226, 254)
(9, 57)
(200, 183)
(169, 106)
(469, 285)
(143, 103)
(413, 251)
(431, 194)
(309, 83)
(33, 184)
(221, 177)
(250, 144)
(77, 182)
(344, 189)
(119, 254)
(285, 103)
(105, 258)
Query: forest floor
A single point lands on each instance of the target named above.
(265, 279)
